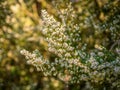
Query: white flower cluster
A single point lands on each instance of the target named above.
(104, 71)
(73, 64)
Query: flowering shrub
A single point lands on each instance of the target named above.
(98, 66)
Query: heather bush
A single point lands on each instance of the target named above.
(85, 44)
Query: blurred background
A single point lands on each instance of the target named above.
(19, 29)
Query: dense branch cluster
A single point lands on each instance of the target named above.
(73, 63)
